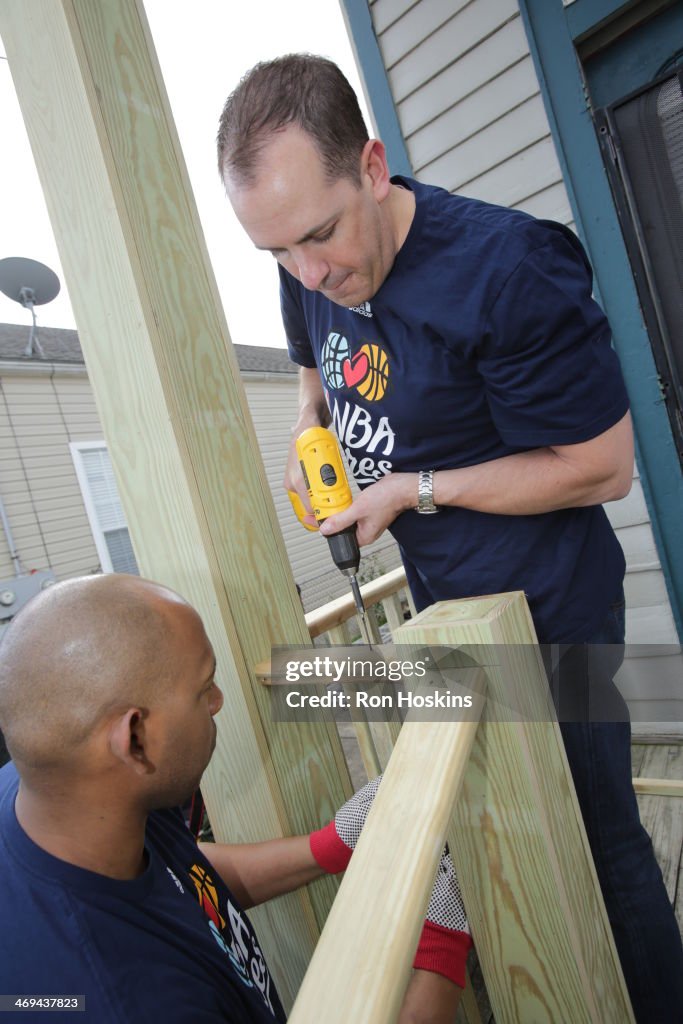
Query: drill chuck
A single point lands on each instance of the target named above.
(345, 551)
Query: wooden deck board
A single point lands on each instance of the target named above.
(663, 816)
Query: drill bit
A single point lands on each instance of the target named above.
(362, 618)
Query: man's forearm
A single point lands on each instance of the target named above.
(526, 483)
(256, 872)
(545, 479)
(313, 410)
(430, 999)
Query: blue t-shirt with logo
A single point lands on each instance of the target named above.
(171, 945)
(483, 341)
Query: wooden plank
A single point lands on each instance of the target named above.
(667, 739)
(660, 815)
(327, 617)
(361, 727)
(362, 963)
(411, 603)
(658, 787)
(371, 626)
(518, 841)
(468, 1011)
(393, 610)
(188, 469)
(638, 751)
(365, 740)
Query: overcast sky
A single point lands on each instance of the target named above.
(204, 48)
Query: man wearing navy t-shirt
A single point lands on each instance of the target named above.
(456, 349)
(107, 904)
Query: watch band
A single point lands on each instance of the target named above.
(425, 492)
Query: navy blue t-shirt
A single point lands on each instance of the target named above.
(483, 341)
(170, 946)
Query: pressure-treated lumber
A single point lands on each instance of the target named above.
(517, 840)
(661, 769)
(658, 787)
(362, 963)
(169, 396)
(468, 1011)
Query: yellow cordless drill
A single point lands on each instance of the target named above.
(329, 491)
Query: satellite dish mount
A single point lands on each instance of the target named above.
(31, 284)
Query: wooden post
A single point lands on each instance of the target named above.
(362, 964)
(169, 395)
(393, 609)
(518, 840)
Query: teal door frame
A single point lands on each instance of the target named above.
(552, 31)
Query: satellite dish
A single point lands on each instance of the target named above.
(31, 284)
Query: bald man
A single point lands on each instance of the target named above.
(107, 703)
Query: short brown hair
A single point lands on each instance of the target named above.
(300, 89)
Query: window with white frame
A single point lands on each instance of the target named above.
(103, 506)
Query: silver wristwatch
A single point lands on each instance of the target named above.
(425, 492)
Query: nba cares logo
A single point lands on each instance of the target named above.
(367, 370)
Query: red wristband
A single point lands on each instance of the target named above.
(331, 852)
(443, 951)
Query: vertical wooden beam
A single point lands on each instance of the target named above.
(518, 841)
(169, 395)
(362, 964)
(393, 609)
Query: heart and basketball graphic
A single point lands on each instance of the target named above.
(366, 370)
(355, 370)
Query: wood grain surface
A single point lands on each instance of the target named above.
(362, 963)
(167, 387)
(517, 839)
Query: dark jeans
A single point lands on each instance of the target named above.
(597, 738)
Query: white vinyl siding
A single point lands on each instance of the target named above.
(50, 433)
(469, 103)
(39, 416)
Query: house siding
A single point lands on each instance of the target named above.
(40, 414)
(469, 103)
(38, 417)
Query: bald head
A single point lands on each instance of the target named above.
(76, 654)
